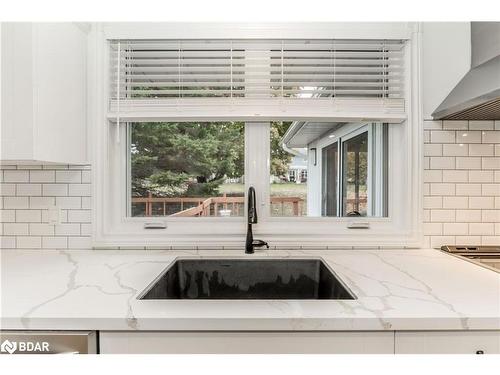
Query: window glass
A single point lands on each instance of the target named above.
(355, 176)
(189, 169)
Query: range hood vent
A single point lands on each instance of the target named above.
(477, 95)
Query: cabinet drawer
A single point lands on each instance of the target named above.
(448, 342)
(246, 342)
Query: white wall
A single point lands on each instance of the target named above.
(446, 57)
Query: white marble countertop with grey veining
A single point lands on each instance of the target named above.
(98, 289)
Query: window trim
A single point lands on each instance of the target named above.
(110, 231)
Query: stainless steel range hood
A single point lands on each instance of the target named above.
(477, 95)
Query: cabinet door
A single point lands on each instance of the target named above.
(246, 342)
(448, 342)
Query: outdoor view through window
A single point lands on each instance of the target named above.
(195, 169)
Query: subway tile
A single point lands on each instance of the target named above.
(468, 163)
(69, 176)
(456, 202)
(7, 216)
(468, 137)
(54, 242)
(433, 175)
(79, 216)
(455, 176)
(490, 190)
(28, 216)
(86, 229)
(442, 136)
(67, 230)
(468, 216)
(433, 125)
(455, 149)
(1, 175)
(442, 189)
(79, 242)
(482, 229)
(455, 125)
(438, 241)
(491, 163)
(481, 125)
(481, 176)
(481, 150)
(28, 242)
(55, 190)
(86, 203)
(69, 202)
(41, 229)
(490, 240)
(28, 189)
(468, 240)
(80, 190)
(497, 229)
(15, 229)
(455, 228)
(497, 203)
(439, 162)
(42, 176)
(491, 136)
(16, 176)
(86, 177)
(427, 163)
(7, 242)
(442, 216)
(431, 149)
(42, 202)
(426, 216)
(15, 202)
(497, 150)
(490, 216)
(8, 190)
(482, 202)
(497, 124)
(427, 136)
(433, 229)
(497, 176)
(433, 202)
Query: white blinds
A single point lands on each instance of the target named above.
(148, 73)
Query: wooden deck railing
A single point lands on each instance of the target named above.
(202, 206)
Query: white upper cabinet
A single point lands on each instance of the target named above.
(44, 93)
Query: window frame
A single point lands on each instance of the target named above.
(113, 228)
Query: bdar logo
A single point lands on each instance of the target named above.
(8, 347)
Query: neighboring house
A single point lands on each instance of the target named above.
(297, 170)
(346, 172)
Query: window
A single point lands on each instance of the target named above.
(189, 169)
(318, 127)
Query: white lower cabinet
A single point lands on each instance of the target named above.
(447, 342)
(246, 342)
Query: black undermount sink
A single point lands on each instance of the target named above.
(228, 279)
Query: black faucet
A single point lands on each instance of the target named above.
(252, 219)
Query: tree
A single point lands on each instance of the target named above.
(280, 159)
(185, 159)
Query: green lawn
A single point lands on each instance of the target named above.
(282, 190)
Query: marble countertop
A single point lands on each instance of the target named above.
(98, 289)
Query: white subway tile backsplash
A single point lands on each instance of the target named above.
(15, 202)
(16, 176)
(15, 229)
(42, 176)
(468, 137)
(8, 190)
(468, 212)
(25, 197)
(69, 176)
(468, 163)
(453, 149)
(481, 125)
(442, 136)
(79, 242)
(481, 150)
(491, 136)
(491, 162)
(28, 190)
